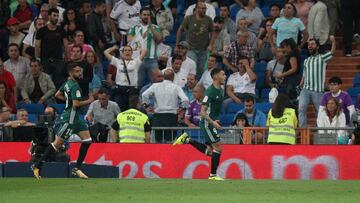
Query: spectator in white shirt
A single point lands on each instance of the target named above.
(169, 98)
(124, 15)
(241, 83)
(29, 40)
(18, 65)
(102, 110)
(180, 75)
(206, 79)
(331, 116)
(126, 75)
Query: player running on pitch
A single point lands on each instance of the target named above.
(70, 122)
(210, 111)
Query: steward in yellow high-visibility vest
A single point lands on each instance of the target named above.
(132, 125)
(282, 122)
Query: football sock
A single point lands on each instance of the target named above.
(48, 152)
(82, 153)
(199, 146)
(215, 159)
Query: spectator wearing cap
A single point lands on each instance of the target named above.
(15, 35)
(25, 13)
(341, 96)
(239, 47)
(222, 39)
(181, 50)
(199, 34)
(229, 24)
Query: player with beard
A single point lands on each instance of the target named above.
(70, 122)
(209, 123)
(313, 80)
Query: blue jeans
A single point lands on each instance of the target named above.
(304, 100)
(200, 58)
(144, 73)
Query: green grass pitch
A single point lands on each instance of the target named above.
(176, 190)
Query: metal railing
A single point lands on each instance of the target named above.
(255, 135)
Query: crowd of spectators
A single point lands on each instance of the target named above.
(164, 52)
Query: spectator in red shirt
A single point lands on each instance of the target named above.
(7, 77)
(6, 99)
(25, 13)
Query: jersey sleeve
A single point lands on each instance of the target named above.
(76, 92)
(206, 100)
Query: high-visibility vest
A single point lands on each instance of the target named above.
(282, 129)
(131, 124)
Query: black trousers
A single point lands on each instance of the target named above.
(55, 68)
(122, 94)
(351, 20)
(165, 120)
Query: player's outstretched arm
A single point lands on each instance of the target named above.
(78, 103)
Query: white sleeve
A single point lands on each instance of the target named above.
(116, 62)
(351, 109)
(146, 95)
(184, 100)
(27, 40)
(90, 110)
(115, 14)
(190, 10)
(192, 67)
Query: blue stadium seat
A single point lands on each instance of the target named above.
(217, 11)
(59, 107)
(234, 107)
(260, 81)
(260, 67)
(33, 118)
(265, 94)
(233, 11)
(170, 39)
(227, 119)
(264, 107)
(32, 108)
(265, 11)
(356, 81)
